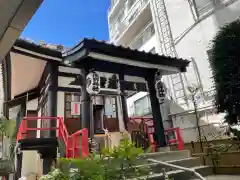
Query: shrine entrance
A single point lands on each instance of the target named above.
(115, 73)
(98, 119)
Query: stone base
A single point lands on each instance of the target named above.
(164, 149)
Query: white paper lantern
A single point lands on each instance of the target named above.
(93, 83)
(160, 91)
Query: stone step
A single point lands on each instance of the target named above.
(180, 174)
(187, 162)
(163, 156)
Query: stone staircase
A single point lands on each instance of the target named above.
(179, 158)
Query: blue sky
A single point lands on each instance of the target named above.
(68, 21)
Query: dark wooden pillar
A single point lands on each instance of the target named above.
(47, 163)
(156, 113)
(85, 103)
(5, 110)
(21, 114)
(123, 101)
(18, 166)
(48, 156)
(52, 94)
(7, 75)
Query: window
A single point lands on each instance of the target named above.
(71, 97)
(142, 106)
(45, 122)
(121, 16)
(72, 122)
(44, 110)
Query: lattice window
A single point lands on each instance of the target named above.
(46, 122)
(44, 109)
(69, 98)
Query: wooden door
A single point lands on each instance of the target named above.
(111, 121)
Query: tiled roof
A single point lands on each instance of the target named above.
(39, 48)
(105, 48)
(128, 53)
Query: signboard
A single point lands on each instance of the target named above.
(75, 108)
(160, 91)
(93, 83)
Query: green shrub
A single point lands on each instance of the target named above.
(118, 163)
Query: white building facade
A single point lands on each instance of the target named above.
(183, 28)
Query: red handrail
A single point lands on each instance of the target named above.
(72, 142)
(178, 140)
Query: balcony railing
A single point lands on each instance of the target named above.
(143, 37)
(113, 3)
(120, 26)
(203, 9)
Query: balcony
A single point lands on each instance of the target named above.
(112, 6)
(113, 2)
(143, 37)
(205, 7)
(124, 22)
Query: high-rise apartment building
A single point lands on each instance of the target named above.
(183, 28)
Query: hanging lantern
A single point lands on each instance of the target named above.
(160, 91)
(93, 83)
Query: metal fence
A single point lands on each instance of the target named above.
(209, 132)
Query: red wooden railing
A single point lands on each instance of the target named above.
(148, 127)
(178, 140)
(74, 149)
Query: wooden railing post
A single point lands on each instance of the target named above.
(73, 146)
(85, 148)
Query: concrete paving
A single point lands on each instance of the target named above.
(222, 177)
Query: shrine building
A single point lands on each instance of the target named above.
(86, 86)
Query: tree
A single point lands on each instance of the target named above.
(194, 90)
(225, 63)
(7, 130)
